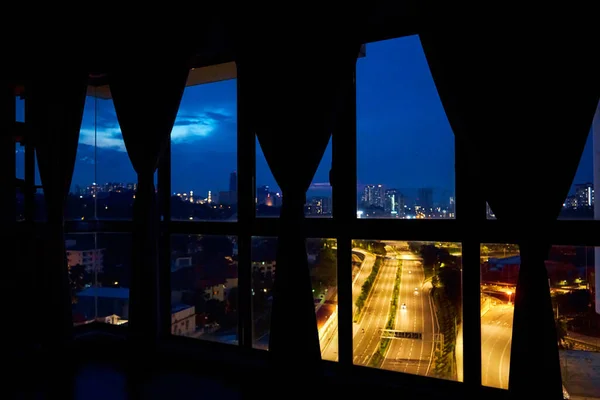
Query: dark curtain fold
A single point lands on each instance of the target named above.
(522, 102)
(146, 99)
(56, 111)
(293, 94)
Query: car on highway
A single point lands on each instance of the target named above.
(403, 306)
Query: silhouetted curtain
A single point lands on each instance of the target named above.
(8, 184)
(56, 103)
(146, 99)
(522, 102)
(292, 94)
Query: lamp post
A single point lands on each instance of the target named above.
(509, 296)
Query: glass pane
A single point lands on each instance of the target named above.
(579, 203)
(204, 153)
(499, 273)
(99, 271)
(405, 143)
(408, 307)
(268, 194)
(104, 181)
(322, 261)
(573, 280)
(39, 210)
(20, 109)
(318, 196)
(204, 287)
(20, 161)
(488, 212)
(264, 253)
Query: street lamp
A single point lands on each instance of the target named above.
(509, 295)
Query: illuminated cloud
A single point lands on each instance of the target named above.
(188, 127)
(107, 138)
(192, 126)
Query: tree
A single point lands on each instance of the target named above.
(76, 281)
(325, 273)
(561, 333)
(450, 279)
(429, 253)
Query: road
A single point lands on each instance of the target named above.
(375, 313)
(496, 335)
(410, 355)
(329, 340)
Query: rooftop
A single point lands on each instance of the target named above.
(108, 292)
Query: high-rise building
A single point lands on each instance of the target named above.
(394, 202)
(584, 193)
(229, 197)
(425, 198)
(233, 182)
(373, 196)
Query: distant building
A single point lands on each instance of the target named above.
(318, 206)
(102, 302)
(266, 269)
(501, 270)
(506, 270)
(183, 320)
(233, 182)
(394, 203)
(91, 259)
(373, 196)
(425, 199)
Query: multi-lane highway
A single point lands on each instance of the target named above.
(412, 355)
(403, 355)
(375, 313)
(496, 335)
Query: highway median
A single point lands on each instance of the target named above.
(366, 290)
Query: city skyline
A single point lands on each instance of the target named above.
(406, 150)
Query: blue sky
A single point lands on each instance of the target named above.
(404, 138)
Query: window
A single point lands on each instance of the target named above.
(204, 286)
(405, 143)
(581, 199)
(499, 273)
(99, 273)
(20, 109)
(572, 275)
(322, 262)
(407, 307)
(204, 153)
(264, 265)
(269, 196)
(104, 182)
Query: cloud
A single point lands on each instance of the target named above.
(107, 138)
(192, 126)
(188, 127)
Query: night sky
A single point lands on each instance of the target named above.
(404, 138)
